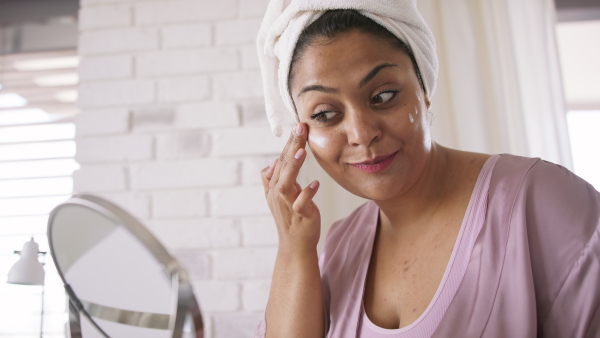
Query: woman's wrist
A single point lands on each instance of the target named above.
(296, 251)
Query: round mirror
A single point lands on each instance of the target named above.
(118, 275)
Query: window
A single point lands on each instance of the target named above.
(580, 62)
(36, 164)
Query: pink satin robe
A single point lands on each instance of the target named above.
(533, 268)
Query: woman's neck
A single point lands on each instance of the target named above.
(419, 204)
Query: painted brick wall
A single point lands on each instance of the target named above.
(172, 129)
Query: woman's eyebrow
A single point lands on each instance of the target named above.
(363, 82)
(318, 88)
(374, 72)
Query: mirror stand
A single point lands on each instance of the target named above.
(117, 275)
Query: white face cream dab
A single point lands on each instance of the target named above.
(420, 96)
(318, 140)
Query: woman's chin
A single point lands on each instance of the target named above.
(375, 191)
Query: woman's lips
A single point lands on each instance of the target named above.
(378, 164)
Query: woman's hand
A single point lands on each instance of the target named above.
(295, 307)
(296, 215)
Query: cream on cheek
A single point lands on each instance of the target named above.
(319, 140)
(411, 118)
(420, 96)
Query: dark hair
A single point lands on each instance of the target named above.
(334, 23)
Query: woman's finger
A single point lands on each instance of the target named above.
(288, 173)
(266, 175)
(282, 157)
(296, 141)
(287, 185)
(302, 205)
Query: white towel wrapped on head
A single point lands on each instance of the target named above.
(285, 20)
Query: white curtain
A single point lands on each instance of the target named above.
(499, 89)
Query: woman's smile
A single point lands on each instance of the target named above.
(379, 163)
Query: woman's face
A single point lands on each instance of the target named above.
(366, 114)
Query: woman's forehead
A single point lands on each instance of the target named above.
(347, 58)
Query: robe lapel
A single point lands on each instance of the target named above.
(472, 305)
(359, 250)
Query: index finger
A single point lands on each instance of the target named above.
(297, 140)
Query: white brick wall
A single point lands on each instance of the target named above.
(236, 31)
(242, 85)
(238, 201)
(106, 67)
(116, 93)
(184, 89)
(184, 174)
(178, 204)
(255, 294)
(244, 263)
(201, 233)
(104, 17)
(247, 141)
(191, 35)
(185, 62)
(118, 40)
(114, 148)
(190, 144)
(99, 178)
(173, 130)
(102, 121)
(259, 231)
(167, 12)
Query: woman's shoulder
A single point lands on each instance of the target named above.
(536, 175)
(542, 186)
(556, 208)
(557, 216)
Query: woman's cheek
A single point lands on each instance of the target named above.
(325, 147)
(318, 140)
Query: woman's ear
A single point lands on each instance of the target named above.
(429, 113)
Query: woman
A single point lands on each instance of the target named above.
(451, 243)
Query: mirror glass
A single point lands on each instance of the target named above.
(118, 275)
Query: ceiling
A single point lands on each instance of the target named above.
(14, 12)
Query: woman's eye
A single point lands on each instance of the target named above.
(383, 97)
(323, 116)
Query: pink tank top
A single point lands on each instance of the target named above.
(429, 320)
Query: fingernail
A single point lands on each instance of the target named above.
(313, 185)
(299, 154)
(298, 130)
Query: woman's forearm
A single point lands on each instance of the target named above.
(295, 307)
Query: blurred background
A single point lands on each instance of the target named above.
(157, 106)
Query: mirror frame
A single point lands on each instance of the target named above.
(186, 303)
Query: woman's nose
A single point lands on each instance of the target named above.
(362, 128)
